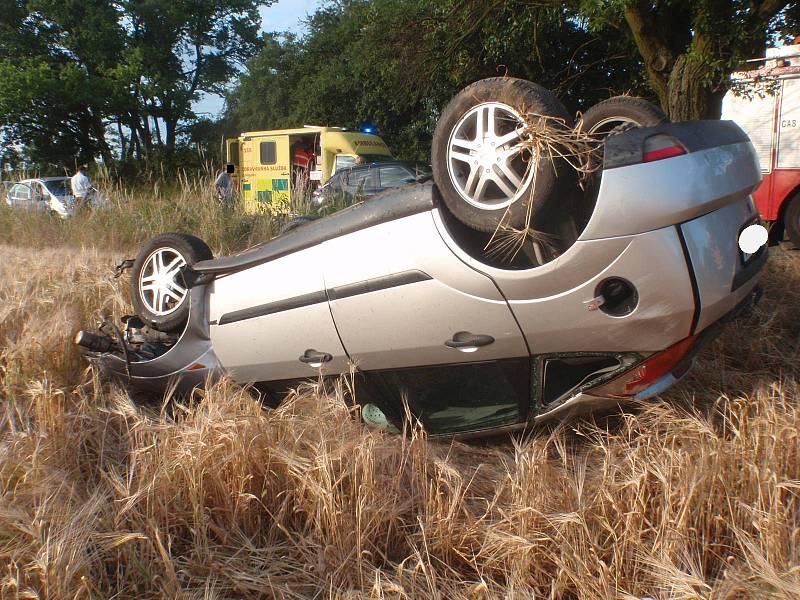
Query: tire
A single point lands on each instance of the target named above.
(468, 181)
(297, 222)
(608, 115)
(165, 307)
(791, 221)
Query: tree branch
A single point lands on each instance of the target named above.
(658, 58)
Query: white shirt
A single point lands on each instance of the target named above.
(225, 183)
(81, 186)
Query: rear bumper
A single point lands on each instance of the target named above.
(584, 403)
(720, 167)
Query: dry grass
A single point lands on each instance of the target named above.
(218, 498)
(136, 213)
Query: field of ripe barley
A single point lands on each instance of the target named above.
(694, 495)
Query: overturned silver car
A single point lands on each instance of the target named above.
(641, 269)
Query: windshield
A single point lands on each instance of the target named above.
(375, 158)
(58, 187)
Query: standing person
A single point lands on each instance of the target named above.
(81, 187)
(223, 184)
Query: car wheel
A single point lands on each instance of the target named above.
(482, 162)
(618, 112)
(297, 222)
(791, 221)
(160, 295)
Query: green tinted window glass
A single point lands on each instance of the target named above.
(265, 196)
(280, 185)
(466, 397)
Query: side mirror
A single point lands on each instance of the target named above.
(230, 168)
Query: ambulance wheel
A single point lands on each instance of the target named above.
(617, 113)
(791, 221)
(159, 293)
(483, 158)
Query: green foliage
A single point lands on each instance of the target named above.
(690, 47)
(71, 69)
(396, 63)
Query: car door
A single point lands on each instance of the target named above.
(436, 333)
(335, 191)
(272, 322)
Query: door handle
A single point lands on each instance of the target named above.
(315, 359)
(464, 341)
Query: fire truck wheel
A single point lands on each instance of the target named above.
(485, 160)
(617, 112)
(159, 293)
(791, 220)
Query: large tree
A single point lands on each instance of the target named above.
(182, 48)
(688, 47)
(396, 63)
(55, 83)
(71, 69)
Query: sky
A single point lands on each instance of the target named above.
(284, 15)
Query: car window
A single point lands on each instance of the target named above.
(268, 153)
(357, 179)
(394, 176)
(58, 187)
(21, 191)
(343, 161)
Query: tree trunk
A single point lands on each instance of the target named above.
(135, 145)
(145, 135)
(157, 129)
(171, 127)
(123, 150)
(690, 95)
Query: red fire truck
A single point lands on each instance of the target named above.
(766, 103)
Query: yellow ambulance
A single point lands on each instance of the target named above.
(268, 166)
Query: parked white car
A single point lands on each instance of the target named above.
(45, 193)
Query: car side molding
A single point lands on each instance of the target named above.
(345, 291)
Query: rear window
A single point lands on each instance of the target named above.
(395, 176)
(268, 154)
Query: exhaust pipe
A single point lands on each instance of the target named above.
(95, 343)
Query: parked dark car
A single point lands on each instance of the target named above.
(363, 181)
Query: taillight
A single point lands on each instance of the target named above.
(647, 373)
(660, 146)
